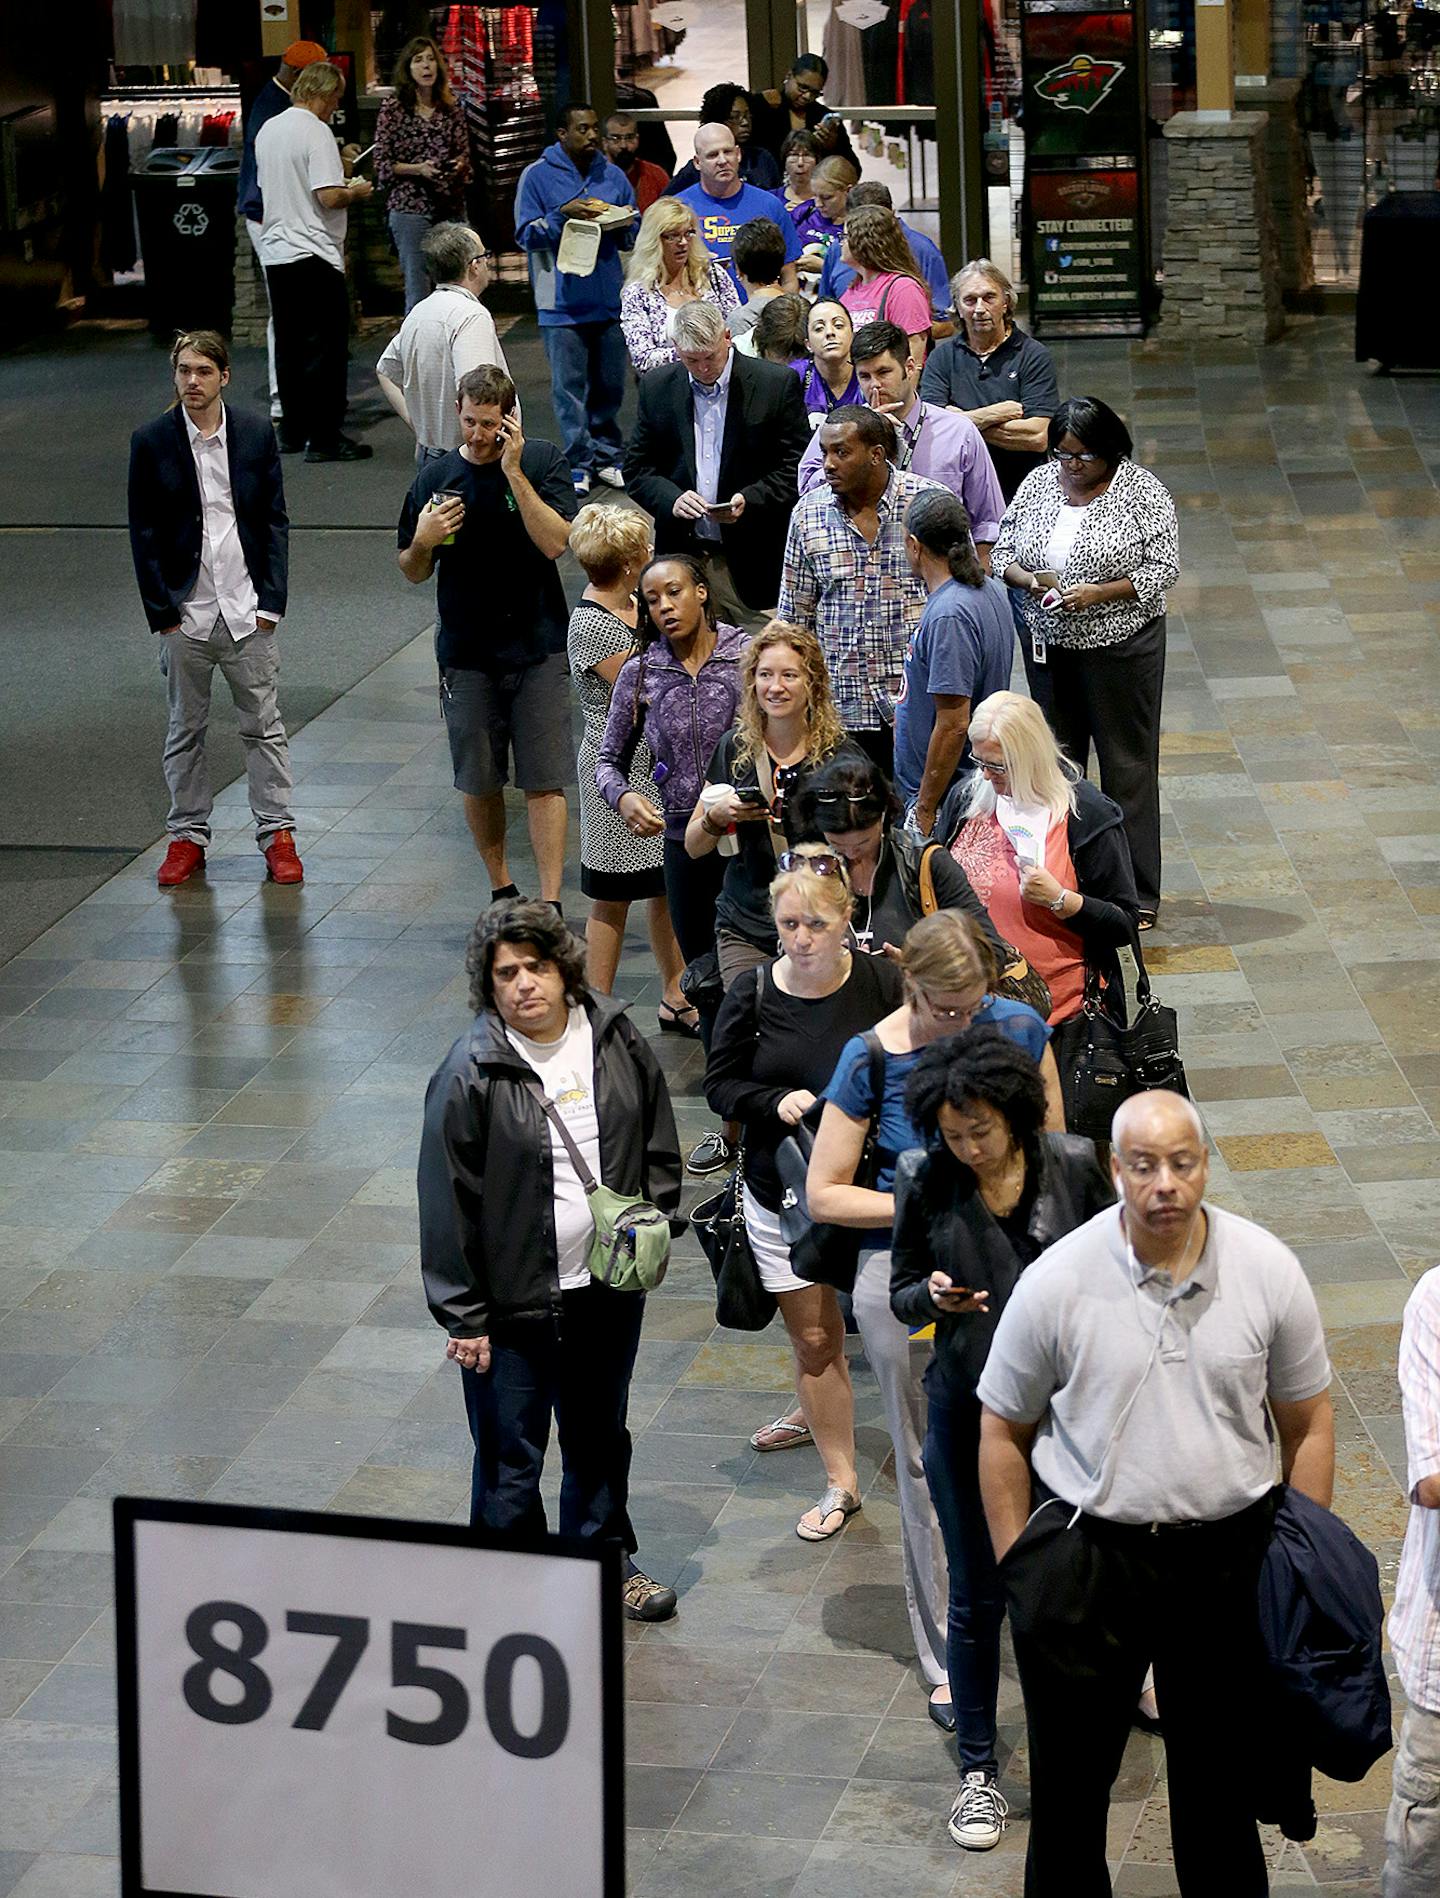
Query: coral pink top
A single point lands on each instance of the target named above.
(988, 858)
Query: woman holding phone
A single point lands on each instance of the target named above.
(786, 726)
(990, 1191)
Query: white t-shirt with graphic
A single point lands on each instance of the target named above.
(1027, 826)
(567, 1073)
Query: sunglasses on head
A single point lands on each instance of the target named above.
(841, 803)
(824, 863)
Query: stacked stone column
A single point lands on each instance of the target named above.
(1222, 277)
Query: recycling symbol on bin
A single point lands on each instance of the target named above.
(191, 219)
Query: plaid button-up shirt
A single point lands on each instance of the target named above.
(861, 601)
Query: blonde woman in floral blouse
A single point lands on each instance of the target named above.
(669, 267)
(422, 158)
(1089, 546)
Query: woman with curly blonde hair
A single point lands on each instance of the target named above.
(669, 267)
(786, 724)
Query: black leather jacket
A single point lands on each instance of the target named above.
(488, 1252)
(942, 1224)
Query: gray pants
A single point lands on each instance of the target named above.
(730, 609)
(1412, 1829)
(899, 1365)
(252, 231)
(252, 669)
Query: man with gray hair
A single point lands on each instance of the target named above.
(1129, 1472)
(995, 374)
(307, 190)
(446, 335)
(713, 455)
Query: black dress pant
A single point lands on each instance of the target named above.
(1110, 698)
(310, 307)
(1090, 1608)
(576, 1368)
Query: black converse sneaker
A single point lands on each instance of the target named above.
(979, 1814)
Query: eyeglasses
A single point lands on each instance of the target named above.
(993, 770)
(823, 863)
(1145, 1166)
(964, 1014)
(1082, 456)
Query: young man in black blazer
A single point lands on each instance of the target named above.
(210, 541)
(713, 456)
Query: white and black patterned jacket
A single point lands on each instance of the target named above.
(1129, 533)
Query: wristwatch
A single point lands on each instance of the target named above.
(1058, 906)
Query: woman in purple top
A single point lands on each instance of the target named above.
(828, 379)
(422, 158)
(679, 693)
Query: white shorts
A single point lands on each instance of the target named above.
(772, 1255)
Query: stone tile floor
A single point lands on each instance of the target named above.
(208, 1112)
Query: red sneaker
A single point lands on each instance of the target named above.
(285, 866)
(182, 860)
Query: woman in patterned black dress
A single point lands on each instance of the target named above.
(617, 868)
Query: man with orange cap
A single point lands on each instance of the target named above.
(270, 101)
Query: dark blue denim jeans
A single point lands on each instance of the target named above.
(952, 1469)
(588, 365)
(578, 1369)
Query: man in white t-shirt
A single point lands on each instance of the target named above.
(307, 190)
(445, 335)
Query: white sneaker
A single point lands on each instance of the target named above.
(612, 477)
(582, 483)
(979, 1814)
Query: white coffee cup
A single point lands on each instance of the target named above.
(710, 797)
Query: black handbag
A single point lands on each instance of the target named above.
(741, 1301)
(1102, 1062)
(822, 1253)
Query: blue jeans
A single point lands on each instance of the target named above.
(578, 1368)
(952, 1469)
(408, 229)
(588, 362)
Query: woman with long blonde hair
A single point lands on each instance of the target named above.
(890, 286)
(780, 1031)
(785, 725)
(422, 157)
(669, 267)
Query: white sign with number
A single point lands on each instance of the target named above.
(335, 1707)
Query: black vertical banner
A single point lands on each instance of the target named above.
(1085, 199)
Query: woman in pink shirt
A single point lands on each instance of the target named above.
(889, 286)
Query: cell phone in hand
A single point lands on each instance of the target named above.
(752, 795)
(1047, 577)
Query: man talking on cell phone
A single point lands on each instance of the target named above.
(495, 514)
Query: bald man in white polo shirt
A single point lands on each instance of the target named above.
(1125, 1405)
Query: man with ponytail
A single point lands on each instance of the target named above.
(958, 655)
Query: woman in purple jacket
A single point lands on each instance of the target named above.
(679, 693)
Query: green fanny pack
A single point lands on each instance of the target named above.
(630, 1250)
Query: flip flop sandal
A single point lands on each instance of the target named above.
(835, 1501)
(781, 1435)
(1147, 919)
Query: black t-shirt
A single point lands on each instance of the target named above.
(798, 1046)
(1018, 370)
(744, 901)
(499, 602)
(886, 915)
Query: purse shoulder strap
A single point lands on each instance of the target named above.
(929, 902)
(875, 1051)
(552, 1114)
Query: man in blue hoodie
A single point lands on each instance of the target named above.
(579, 316)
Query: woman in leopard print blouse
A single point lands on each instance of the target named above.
(1089, 547)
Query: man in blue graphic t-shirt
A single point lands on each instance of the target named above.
(723, 202)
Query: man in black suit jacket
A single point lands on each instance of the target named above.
(210, 541)
(713, 456)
